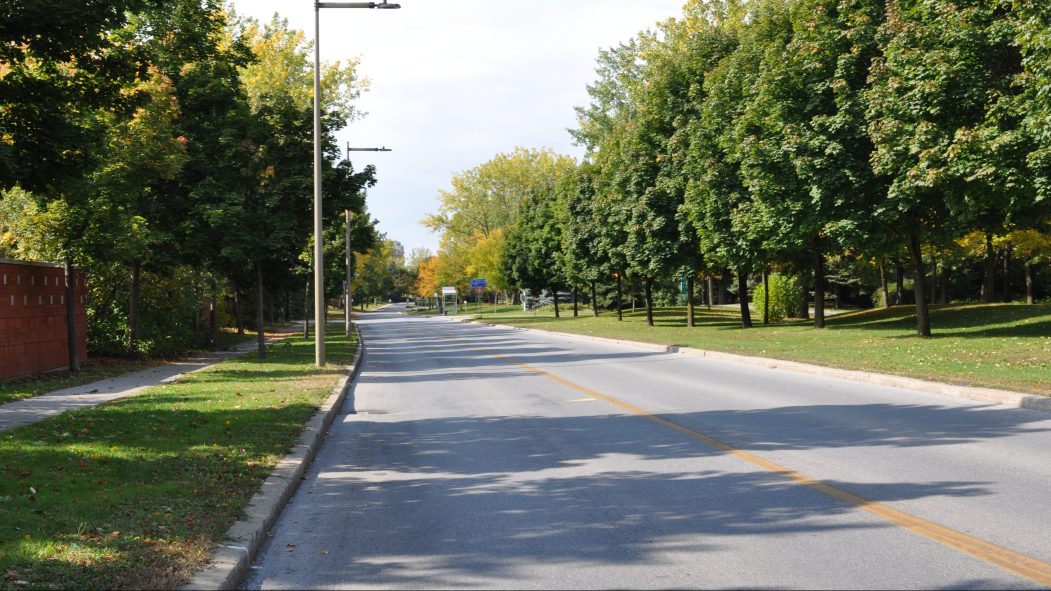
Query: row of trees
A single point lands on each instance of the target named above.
(170, 143)
(788, 134)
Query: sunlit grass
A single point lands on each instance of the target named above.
(998, 345)
(133, 494)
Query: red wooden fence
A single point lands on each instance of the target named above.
(33, 333)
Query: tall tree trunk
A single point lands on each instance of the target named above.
(555, 293)
(944, 296)
(803, 309)
(766, 296)
(260, 328)
(306, 310)
(923, 315)
(721, 289)
(197, 306)
(71, 316)
(576, 313)
(742, 290)
(933, 280)
(689, 301)
(631, 293)
(819, 289)
(620, 306)
(1007, 274)
(213, 315)
(649, 302)
(594, 302)
(899, 282)
(989, 277)
(1029, 299)
(884, 284)
(238, 312)
(711, 286)
(133, 308)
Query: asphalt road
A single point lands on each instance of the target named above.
(478, 457)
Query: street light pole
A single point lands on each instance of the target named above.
(319, 267)
(347, 303)
(347, 300)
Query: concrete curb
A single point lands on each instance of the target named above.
(233, 556)
(1004, 397)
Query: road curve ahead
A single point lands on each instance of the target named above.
(478, 457)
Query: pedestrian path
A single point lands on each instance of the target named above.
(38, 408)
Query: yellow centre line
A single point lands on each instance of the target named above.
(1009, 560)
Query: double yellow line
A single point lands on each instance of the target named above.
(1019, 564)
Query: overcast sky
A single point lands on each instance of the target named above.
(456, 82)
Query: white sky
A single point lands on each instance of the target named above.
(456, 82)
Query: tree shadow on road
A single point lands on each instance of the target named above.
(449, 502)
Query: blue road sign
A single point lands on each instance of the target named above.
(478, 283)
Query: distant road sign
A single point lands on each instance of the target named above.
(479, 284)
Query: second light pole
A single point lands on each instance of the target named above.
(348, 301)
(319, 266)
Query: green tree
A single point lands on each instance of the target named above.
(585, 260)
(940, 102)
(533, 252)
(58, 65)
(730, 223)
(1033, 35)
(804, 144)
(142, 151)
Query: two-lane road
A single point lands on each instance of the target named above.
(478, 457)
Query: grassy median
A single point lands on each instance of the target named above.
(997, 346)
(134, 494)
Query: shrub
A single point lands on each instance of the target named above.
(170, 319)
(785, 292)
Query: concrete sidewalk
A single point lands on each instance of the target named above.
(30, 410)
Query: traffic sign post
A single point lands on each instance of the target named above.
(478, 285)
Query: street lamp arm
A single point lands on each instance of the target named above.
(355, 5)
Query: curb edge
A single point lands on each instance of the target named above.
(234, 553)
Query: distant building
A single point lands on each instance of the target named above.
(398, 251)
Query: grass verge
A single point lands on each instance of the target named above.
(134, 494)
(93, 370)
(1005, 346)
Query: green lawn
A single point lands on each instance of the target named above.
(997, 346)
(93, 370)
(133, 494)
